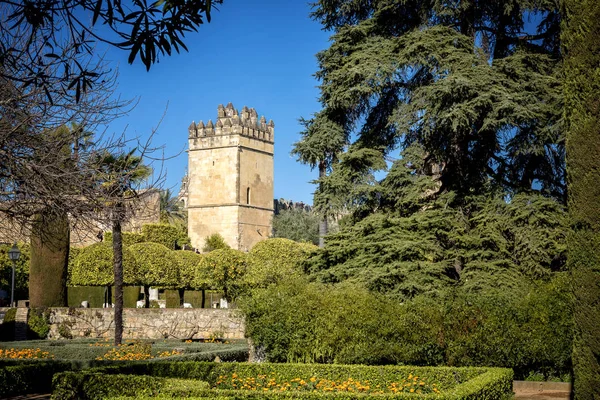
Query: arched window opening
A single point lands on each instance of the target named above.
(247, 195)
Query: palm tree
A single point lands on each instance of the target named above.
(117, 176)
(171, 209)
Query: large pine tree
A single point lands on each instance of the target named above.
(581, 30)
(471, 82)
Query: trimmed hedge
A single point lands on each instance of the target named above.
(29, 377)
(100, 386)
(455, 383)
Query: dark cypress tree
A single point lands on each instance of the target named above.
(49, 259)
(581, 30)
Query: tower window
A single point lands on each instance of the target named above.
(248, 195)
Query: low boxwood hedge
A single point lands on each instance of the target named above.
(454, 383)
(29, 377)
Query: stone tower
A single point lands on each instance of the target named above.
(230, 178)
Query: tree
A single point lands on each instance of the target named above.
(93, 266)
(297, 224)
(581, 27)
(465, 81)
(117, 176)
(49, 257)
(222, 269)
(156, 266)
(171, 210)
(187, 264)
(170, 236)
(273, 260)
(56, 39)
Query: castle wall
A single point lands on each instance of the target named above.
(204, 221)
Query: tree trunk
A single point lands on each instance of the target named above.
(49, 260)
(203, 298)
(181, 294)
(323, 227)
(146, 296)
(118, 270)
(580, 31)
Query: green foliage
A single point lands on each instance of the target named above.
(7, 327)
(273, 260)
(172, 211)
(580, 30)
(214, 242)
(528, 330)
(48, 266)
(222, 269)
(34, 377)
(187, 264)
(170, 236)
(128, 238)
(447, 76)
(156, 264)
(73, 385)
(95, 295)
(487, 243)
(38, 323)
(297, 224)
(456, 383)
(21, 270)
(93, 266)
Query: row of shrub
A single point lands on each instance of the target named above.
(529, 331)
(148, 379)
(93, 349)
(19, 377)
(153, 264)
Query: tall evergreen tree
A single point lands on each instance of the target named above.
(464, 80)
(581, 29)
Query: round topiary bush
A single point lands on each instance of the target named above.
(156, 265)
(93, 266)
(222, 269)
(273, 260)
(187, 264)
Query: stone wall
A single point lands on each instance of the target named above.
(152, 323)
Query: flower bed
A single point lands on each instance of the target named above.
(26, 354)
(276, 381)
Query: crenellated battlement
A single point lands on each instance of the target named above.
(232, 122)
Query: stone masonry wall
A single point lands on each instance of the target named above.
(152, 323)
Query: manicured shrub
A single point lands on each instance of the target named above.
(529, 330)
(222, 269)
(38, 323)
(33, 377)
(273, 260)
(128, 238)
(93, 266)
(452, 383)
(156, 266)
(214, 242)
(167, 235)
(7, 328)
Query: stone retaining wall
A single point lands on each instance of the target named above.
(152, 323)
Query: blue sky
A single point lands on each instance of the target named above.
(260, 54)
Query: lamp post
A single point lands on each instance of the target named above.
(14, 253)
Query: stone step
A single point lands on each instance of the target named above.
(21, 323)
